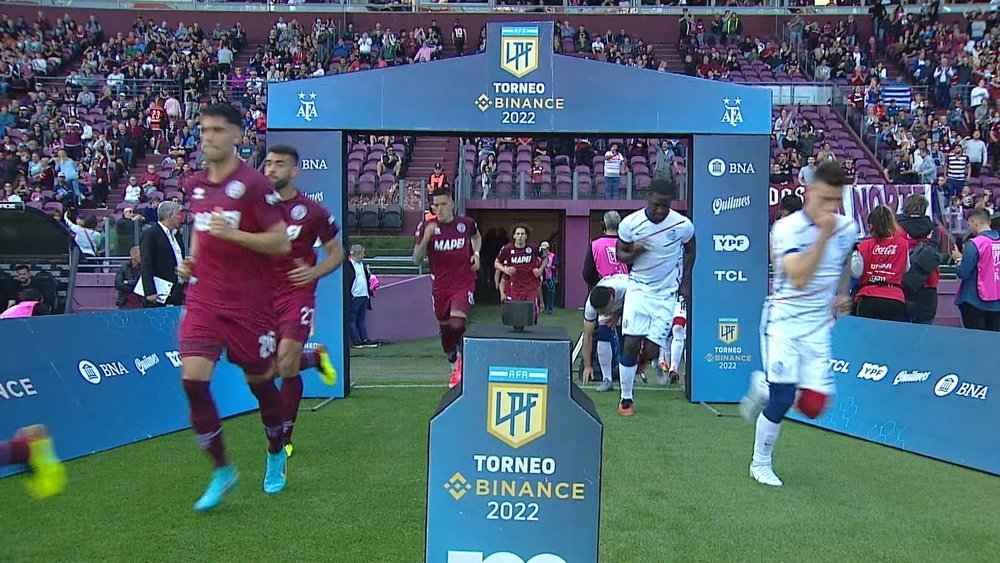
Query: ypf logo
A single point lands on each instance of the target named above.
(519, 49)
(500, 557)
(874, 372)
(89, 372)
(731, 243)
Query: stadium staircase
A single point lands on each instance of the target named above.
(428, 151)
(389, 255)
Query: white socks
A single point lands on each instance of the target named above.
(677, 346)
(627, 376)
(604, 355)
(766, 437)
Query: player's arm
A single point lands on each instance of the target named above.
(477, 243)
(420, 248)
(627, 252)
(800, 267)
(185, 270)
(688, 270)
(273, 240)
(588, 349)
(304, 274)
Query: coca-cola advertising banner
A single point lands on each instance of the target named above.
(859, 199)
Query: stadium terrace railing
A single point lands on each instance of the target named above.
(635, 7)
(129, 87)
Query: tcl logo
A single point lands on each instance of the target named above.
(840, 366)
(500, 557)
(731, 243)
(874, 372)
(730, 275)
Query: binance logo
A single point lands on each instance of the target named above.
(483, 102)
(457, 486)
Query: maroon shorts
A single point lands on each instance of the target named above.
(448, 299)
(248, 338)
(295, 312)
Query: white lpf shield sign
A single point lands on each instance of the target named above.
(519, 50)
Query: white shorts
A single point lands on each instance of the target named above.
(648, 316)
(804, 363)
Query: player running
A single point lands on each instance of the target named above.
(603, 313)
(810, 250)
(230, 305)
(451, 243)
(32, 445)
(296, 278)
(670, 361)
(522, 263)
(651, 241)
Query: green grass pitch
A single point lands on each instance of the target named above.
(676, 488)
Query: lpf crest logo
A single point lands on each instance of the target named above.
(517, 404)
(729, 330)
(519, 49)
(307, 106)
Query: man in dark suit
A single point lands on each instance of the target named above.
(359, 277)
(162, 251)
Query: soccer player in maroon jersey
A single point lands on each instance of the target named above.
(238, 227)
(451, 243)
(296, 278)
(522, 263)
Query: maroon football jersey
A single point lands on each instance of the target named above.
(230, 276)
(307, 222)
(523, 260)
(450, 251)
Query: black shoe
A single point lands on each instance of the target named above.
(369, 344)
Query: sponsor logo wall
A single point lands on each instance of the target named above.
(926, 389)
(114, 380)
(731, 228)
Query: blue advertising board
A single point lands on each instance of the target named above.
(730, 212)
(514, 458)
(924, 389)
(321, 179)
(102, 380)
(519, 85)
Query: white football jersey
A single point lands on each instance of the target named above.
(806, 313)
(618, 283)
(656, 271)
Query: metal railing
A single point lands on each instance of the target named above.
(130, 87)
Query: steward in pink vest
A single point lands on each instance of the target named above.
(978, 267)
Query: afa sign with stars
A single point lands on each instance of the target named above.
(515, 454)
(519, 85)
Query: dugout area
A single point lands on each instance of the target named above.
(519, 86)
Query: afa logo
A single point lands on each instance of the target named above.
(307, 107)
(517, 404)
(519, 51)
(729, 330)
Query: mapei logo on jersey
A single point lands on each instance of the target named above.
(203, 219)
(16, 388)
(447, 244)
(731, 243)
(718, 167)
(729, 330)
(952, 384)
(145, 363)
(517, 408)
(519, 51)
(873, 372)
(721, 205)
(94, 373)
(731, 276)
(307, 106)
(500, 557)
(733, 115)
(313, 164)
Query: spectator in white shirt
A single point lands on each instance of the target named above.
(979, 93)
(975, 149)
(598, 45)
(87, 238)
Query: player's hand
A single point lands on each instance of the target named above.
(185, 270)
(638, 248)
(475, 262)
(842, 303)
(302, 274)
(956, 254)
(429, 232)
(826, 222)
(219, 227)
(685, 291)
(588, 374)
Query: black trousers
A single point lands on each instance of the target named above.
(882, 308)
(979, 319)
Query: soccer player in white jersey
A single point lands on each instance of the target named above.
(810, 250)
(602, 314)
(651, 241)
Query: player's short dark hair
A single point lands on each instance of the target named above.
(664, 187)
(225, 111)
(286, 150)
(600, 297)
(22, 267)
(527, 229)
(981, 215)
(831, 173)
(439, 192)
(791, 203)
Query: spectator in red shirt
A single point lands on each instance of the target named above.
(150, 181)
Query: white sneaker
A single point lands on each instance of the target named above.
(756, 398)
(764, 474)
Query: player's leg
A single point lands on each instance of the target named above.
(461, 305)
(289, 368)
(627, 364)
(783, 366)
(657, 336)
(816, 384)
(441, 299)
(33, 446)
(678, 335)
(605, 355)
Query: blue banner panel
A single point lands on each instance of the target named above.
(321, 178)
(102, 380)
(519, 85)
(514, 463)
(923, 389)
(730, 215)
